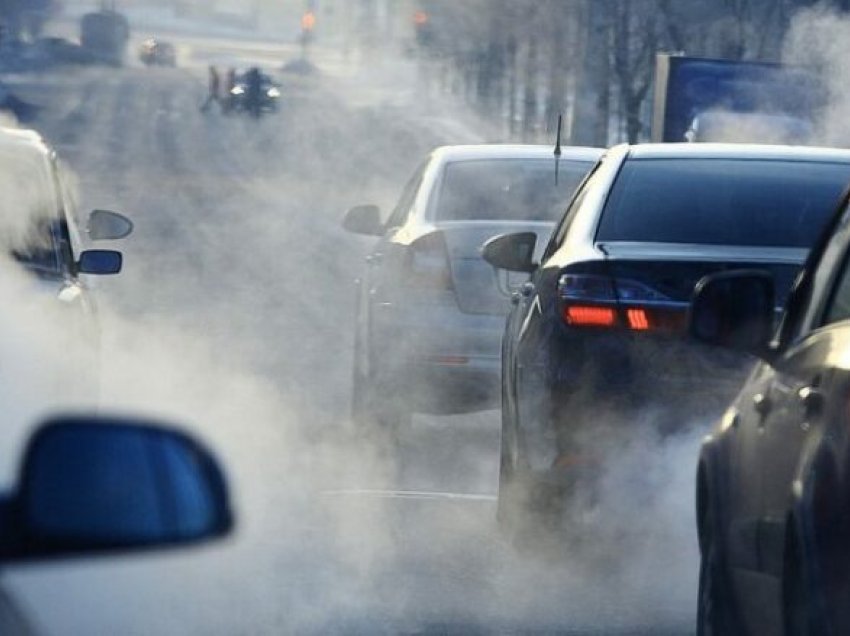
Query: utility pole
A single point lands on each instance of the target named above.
(593, 95)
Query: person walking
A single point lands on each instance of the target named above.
(229, 84)
(214, 89)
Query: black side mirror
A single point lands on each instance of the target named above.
(734, 310)
(513, 252)
(100, 262)
(104, 225)
(364, 219)
(91, 485)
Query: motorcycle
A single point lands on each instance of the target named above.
(254, 94)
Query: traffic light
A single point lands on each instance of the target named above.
(422, 26)
(308, 22)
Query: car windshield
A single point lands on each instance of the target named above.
(769, 203)
(28, 208)
(507, 189)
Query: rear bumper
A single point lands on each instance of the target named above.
(446, 360)
(602, 391)
(440, 387)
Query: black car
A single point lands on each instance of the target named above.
(773, 483)
(595, 346)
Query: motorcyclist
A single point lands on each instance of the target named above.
(254, 90)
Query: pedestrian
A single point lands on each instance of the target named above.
(214, 88)
(229, 85)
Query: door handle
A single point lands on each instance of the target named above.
(812, 400)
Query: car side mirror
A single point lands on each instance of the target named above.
(90, 485)
(104, 225)
(734, 310)
(100, 262)
(364, 219)
(513, 252)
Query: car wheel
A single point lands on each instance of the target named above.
(508, 498)
(528, 512)
(375, 405)
(715, 614)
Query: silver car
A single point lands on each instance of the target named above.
(430, 310)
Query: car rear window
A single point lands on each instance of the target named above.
(770, 203)
(508, 189)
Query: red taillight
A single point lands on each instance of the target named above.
(638, 319)
(428, 263)
(598, 301)
(589, 316)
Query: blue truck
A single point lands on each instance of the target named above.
(701, 99)
(104, 35)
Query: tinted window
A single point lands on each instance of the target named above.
(566, 222)
(777, 203)
(838, 307)
(508, 189)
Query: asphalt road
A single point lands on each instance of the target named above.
(234, 316)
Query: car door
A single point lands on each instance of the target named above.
(743, 426)
(382, 264)
(528, 325)
(806, 375)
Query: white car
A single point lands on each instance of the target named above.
(431, 311)
(38, 232)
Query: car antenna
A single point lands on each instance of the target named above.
(558, 149)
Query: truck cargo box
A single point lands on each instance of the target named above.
(687, 88)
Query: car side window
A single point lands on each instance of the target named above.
(563, 227)
(838, 307)
(66, 250)
(819, 293)
(405, 202)
(42, 253)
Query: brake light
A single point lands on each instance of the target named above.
(594, 301)
(638, 319)
(428, 263)
(589, 316)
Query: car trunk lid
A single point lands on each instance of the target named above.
(479, 287)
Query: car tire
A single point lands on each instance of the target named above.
(528, 512)
(370, 412)
(715, 612)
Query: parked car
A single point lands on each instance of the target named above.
(595, 345)
(773, 479)
(430, 311)
(105, 486)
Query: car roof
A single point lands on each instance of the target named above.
(513, 151)
(735, 151)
